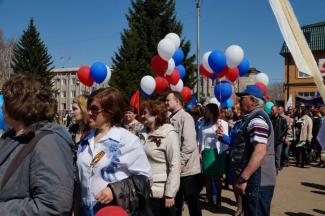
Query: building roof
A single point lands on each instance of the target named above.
(315, 36)
(70, 69)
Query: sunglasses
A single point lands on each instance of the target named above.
(95, 109)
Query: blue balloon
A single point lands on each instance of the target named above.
(178, 56)
(145, 94)
(181, 70)
(193, 100)
(217, 61)
(98, 72)
(228, 104)
(243, 67)
(223, 91)
(2, 119)
(189, 107)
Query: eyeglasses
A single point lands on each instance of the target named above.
(95, 109)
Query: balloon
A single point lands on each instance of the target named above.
(262, 78)
(166, 49)
(205, 72)
(171, 67)
(161, 84)
(262, 87)
(148, 84)
(189, 107)
(214, 76)
(224, 72)
(243, 67)
(108, 75)
(234, 55)
(223, 91)
(159, 65)
(98, 72)
(193, 100)
(214, 101)
(175, 39)
(181, 70)
(217, 61)
(228, 104)
(268, 107)
(205, 62)
(232, 74)
(112, 211)
(2, 119)
(135, 100)
(174, 77)
(186, 93)
(178, 56)
(178, 87)
(84, 77)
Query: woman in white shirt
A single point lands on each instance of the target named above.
(108, 155)
(213, 152)
(162, 148)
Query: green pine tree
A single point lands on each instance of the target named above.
(149, 21)
(31, 56)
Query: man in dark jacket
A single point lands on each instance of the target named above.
(280, 128)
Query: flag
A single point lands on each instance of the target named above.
(289, 103)
(296, 41)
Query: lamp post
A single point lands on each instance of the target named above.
(198, 47)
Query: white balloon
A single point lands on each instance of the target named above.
(234, 55)
(148, 84)
(205, 62)
(108, 75)
(166, 49)
(171, 66)
(178, 87)
(175, 38)
(214, 101)
(263, 78)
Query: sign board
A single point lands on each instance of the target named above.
(321, 65)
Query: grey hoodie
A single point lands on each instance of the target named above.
(43, 183)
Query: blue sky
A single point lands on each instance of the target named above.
(89, 31)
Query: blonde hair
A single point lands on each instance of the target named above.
(82, 103)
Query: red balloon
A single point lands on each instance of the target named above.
(174, 77)
(161, 84)
(186, 93)
(112, 211)
(232, 74)
(159, 65)
(205, 72)
(84, 76)
(135, 100)
(262, 87)
(224, 72)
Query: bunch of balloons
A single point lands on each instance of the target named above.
(168, 68)
(98, 72)
(230, 64)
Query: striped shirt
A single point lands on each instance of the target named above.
(258, 130)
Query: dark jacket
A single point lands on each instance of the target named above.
(43, 183)
(280, 128)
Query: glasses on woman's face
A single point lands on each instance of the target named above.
(95, 110)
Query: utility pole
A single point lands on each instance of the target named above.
(198, 48)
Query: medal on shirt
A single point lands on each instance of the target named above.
(97, 158)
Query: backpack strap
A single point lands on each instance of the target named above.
(16, 162)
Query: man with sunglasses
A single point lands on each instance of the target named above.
(252, 154)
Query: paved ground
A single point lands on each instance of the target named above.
(299, 192)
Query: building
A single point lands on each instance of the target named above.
(68, 87)
(298, 83)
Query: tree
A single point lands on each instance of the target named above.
(6, 52)
(149, 21)
(276, 91)
(31, 56)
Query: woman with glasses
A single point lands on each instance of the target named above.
(109, 157)
(162, 148)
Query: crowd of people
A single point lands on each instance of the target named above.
(146, 161)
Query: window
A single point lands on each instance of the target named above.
(64, 82)
(306, 94)
(64, 94)
(303, 75)
(63, 106)
(73, 93)
(73, 81)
